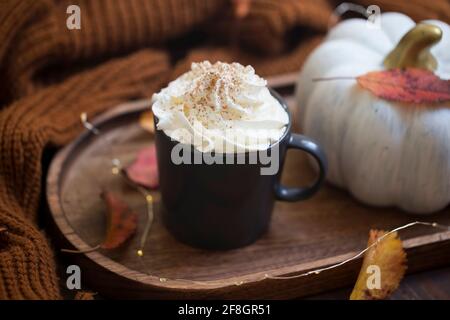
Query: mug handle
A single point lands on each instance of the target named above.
(298, 141)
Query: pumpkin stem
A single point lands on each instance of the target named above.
(413, 50)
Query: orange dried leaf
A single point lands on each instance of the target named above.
(146, 121)
(409, 85)
(387, 259)
(241, 8)
(144, 170)
(121, 221)
(84, 295)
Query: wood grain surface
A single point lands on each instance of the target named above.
(303, 236)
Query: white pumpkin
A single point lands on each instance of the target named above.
(385, 153)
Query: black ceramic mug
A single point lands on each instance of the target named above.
(226, 206)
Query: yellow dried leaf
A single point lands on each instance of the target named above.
(146, 121)
(383, 268)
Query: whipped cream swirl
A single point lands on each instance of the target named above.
(220, 107)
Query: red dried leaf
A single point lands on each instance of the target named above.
(409, 85)
(144, 170)
(121, 221)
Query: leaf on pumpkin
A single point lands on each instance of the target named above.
(241, 8)
(389, 258)
(121, 221)
(409, 85)
(144, 170)
(146, 121)
(84, 295)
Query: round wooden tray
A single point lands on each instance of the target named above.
(303, 236)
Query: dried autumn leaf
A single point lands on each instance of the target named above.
(241, 8)
(409, 85)
(144, 170)
(389, 258)
(121, 221)
(146, 121)
(84, 295)
(2, 229)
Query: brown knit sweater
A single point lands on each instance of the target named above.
(126, 49)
